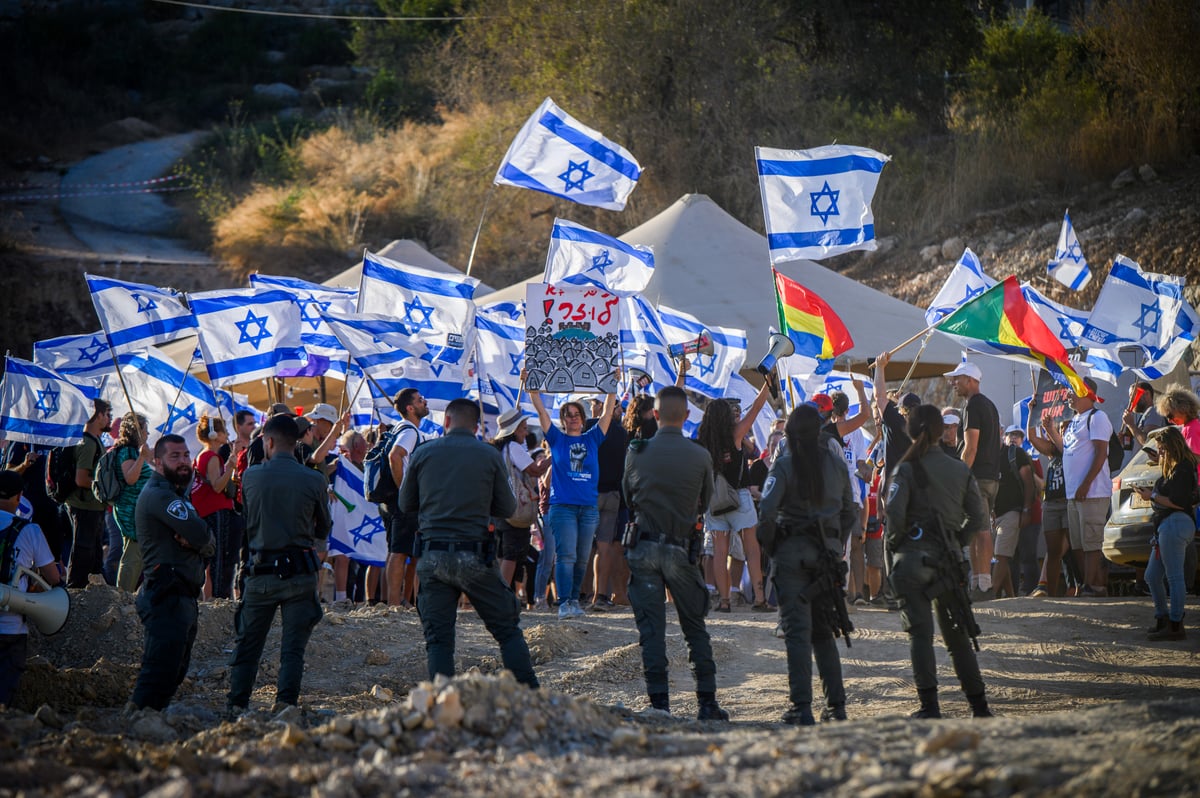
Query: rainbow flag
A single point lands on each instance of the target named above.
(814, 328)
(1001, 322)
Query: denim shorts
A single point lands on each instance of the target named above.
(743, 517)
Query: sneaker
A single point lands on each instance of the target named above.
(1087, 591)
(1040, 592)
(877, 601)
(978, 595)
(859, 601)
(564, 611)
(779, 630)
(577, 610)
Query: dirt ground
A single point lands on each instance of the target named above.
(1086, 705)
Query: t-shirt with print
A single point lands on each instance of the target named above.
(854, 449)
(1078, 453)
(982, 415)
(575, 469)
(31, 551)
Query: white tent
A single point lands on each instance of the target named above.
(709, 264)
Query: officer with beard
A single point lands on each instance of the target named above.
(175, 542)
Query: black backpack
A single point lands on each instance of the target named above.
(1116, 452)
(378, 482)
(8, 543)
(60, 469)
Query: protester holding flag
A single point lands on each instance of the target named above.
(135, 457)
(722, 432)
(215, 507)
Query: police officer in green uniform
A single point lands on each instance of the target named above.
(807, 507)
(175, 541)
(287, 512)
(667, 483)
(927, 483)
(456, 485)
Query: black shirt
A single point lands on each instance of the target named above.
(1011, 493)
(611, 455)
(1180, 488)
(982, 415)
(895, 437)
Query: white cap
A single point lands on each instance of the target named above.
(966, 369)
(323, 412)
(1014, 428)
(951, 418)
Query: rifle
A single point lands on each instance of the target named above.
(826, 593)
(951, 569)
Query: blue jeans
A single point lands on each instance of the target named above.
(112, 554)
(545, 563)
(1174, 534)
(574, 530)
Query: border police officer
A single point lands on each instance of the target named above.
(456, 484)
(668, 481)
(287, 511)
(175, 541)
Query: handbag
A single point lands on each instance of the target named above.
(725, 498)
(527, 508)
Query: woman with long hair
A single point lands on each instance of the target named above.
(134, 455)
(929, 488)
(212, 503)
(1173, 499)
(510, 441)
(807, 506)
(722, 432)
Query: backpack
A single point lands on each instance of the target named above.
(1116, 452)
(527, 508)
(8, 543)
(378, 480)
(110, 477)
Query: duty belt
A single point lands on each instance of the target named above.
(475, 546)
(669, 540)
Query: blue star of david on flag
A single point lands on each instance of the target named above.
(425, 311)
(584, 174)
(91, 353)
(708, 367)
(175, 414)
(47, 402)
(516, 359)
(145, 304)
(367, 530)
(831, 210)
(1074, 253)
(244, 328)
(972, 292)
(602, 261)
(312, 319)
(1147, 323)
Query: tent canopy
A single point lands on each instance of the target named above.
(709, 264)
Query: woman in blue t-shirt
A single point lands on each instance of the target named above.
(574, 480)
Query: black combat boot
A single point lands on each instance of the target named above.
(929, 704)
(660, 701)
(799, 715)
(979, 706)
(709, 708)
(834, 712)
(1160, 623)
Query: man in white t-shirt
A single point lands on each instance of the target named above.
(30, 551)
(1089, 487)
(403, 548)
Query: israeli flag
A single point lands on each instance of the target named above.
(580, 256)
(709, 374)
(967, 280)
(80, 356)
(171, 399)
(802, 390)
(1143, 311)
(1066, 323)
(427, 302)
(556, 154)
(248, 333)
(326, 356)
(817, 203)
(136, 316)
(644, 341)
(1069, 266)
(358, 531)
(386, 353)
(39, 406)
(500, 354)
(744, 392)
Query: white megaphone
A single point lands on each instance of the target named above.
(702, 344)
(778, 346)
(47, 610)
(639, 379)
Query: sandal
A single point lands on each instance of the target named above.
(762, 606)
(723, 606)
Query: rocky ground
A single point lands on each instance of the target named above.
(1086, 706)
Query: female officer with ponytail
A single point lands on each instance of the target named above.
(927, 485)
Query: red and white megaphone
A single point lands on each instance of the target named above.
(702, 344)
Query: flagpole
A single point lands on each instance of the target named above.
(487, 201)
(121, 377)
(349, 358)
(913, 365)
(178, 393)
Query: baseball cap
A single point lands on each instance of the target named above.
(279, 409)
(302, 425)
(509, 421)
(823, 403)
(11, 483)
(951, 418)
(323, 412)
(910, 400)
(1014, 428)
(966, 369)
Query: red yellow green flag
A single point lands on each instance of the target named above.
(808, 320)
(1000, 322)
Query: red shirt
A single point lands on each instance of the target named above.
(206, 500)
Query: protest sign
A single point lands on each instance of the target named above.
(571, 339)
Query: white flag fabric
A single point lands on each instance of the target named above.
(1066, 323)
(358, 531)
(80, 356)
(41, 406)
(429, 303)
(817, 203)
(500, 353)
(1141, 310)
(326, 356)
(803, 390)
(644, 341)
(744, 392)
(709, 374)
(1069, 266)
(248, 333)
(967, 280)
(557, 154)
(171, 399)
(136, 316)
(581, 256)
